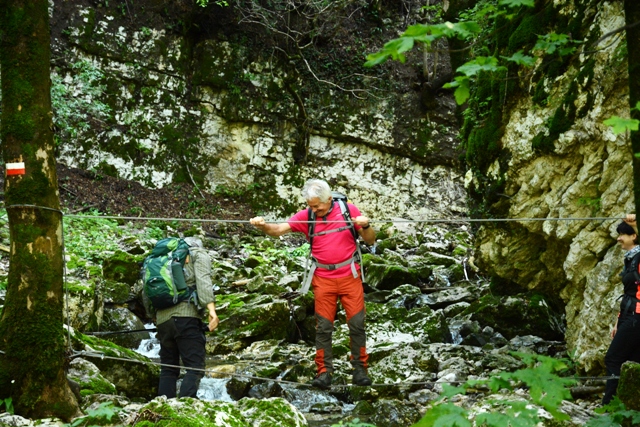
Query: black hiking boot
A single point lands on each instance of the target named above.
(360, 377)
(322, 381)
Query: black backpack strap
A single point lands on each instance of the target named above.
(311, 226)
(634, 267)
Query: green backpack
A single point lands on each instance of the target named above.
(163, 274)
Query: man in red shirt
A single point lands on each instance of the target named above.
(335, 276)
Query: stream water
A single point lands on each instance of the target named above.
(301, 397)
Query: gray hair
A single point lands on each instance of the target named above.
(316, 188)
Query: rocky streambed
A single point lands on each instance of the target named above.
(433, 321)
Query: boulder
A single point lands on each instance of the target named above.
(122, 267)
(89, 378)
(393, 413)
(131, 373)
(248, 318)
(117, 292)
(629, 386)
(85, 304)
(248, 412)
(523, 314)
(120, 319)
(388, 277)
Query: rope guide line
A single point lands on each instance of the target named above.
(381, 221)
(103, 356)
(213, 371)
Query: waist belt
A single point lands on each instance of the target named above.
(629, 300)
(309, 270)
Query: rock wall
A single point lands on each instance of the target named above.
(584, 172)
(169, 92)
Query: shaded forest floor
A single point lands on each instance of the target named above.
(84, 191)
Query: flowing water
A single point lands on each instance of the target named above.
(210, 388)
(319, 407)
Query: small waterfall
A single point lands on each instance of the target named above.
(210, 388)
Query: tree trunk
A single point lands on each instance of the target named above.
(632, 17)
(32, 368)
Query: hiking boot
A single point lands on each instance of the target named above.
(322, 381)
(360, 377)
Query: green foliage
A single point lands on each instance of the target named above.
(552, 43)
(445, 415)
(8, 405)
(101, 416)
(622, 125)
(89, 238)
(520, 59)
(614, 414)
(517, 3)
(541, 377)
(204, 3)
(595, 203)
(427, 34)
(77, 111)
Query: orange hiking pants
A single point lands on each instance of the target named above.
(327, 291)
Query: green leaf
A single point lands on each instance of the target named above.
(509, 413)
(521, 59)
(449, 390)
(517, 3)
(462, 93)
(622, 125)
(444, 415)
(376, 59)
(478, 64)
(602, 421)
(498, 383)
(637, 107)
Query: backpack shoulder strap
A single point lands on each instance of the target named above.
(635, 261)
(311, 226)
(346, 214)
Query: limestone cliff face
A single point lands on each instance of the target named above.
(201, 95)
(585, 171)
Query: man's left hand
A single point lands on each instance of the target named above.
(213, 322)
(361, 220)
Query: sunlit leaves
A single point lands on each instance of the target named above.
(622, 125)
(427, 34)
(445, 415)
(463, 89)
(552, 43)
(515, 414)
(546, 389)
(394, 49)
(516, 3)
(521, 59)
(468, 70)
(617, 415)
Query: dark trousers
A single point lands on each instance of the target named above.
(181, 338)
(624, 347)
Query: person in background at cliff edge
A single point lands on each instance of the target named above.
(625, 345)
(335, 275)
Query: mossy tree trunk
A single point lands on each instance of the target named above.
(632, 17)
(32, 370)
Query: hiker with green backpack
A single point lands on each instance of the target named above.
(332, 226)
(177, 293)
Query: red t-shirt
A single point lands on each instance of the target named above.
(332, 248)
